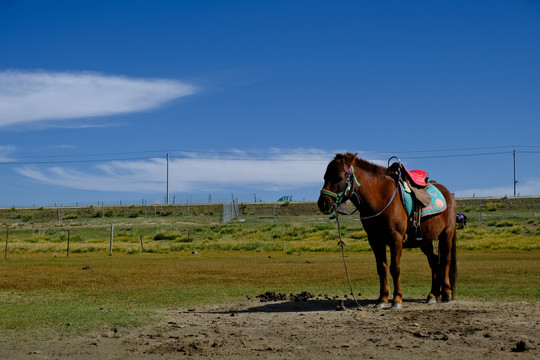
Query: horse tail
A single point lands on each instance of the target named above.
(453, 265)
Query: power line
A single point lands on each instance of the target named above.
(455, 155)
(248, 156)
(451, 150)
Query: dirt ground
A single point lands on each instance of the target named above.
(313, 329)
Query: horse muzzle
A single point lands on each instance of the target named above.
(325, 203)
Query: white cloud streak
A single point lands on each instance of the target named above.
(5, 151)
(527, 188)
(38, 96)
(191, 173)
(277, 170)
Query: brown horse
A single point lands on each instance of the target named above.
(372, 190)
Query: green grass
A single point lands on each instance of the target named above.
(301, 234)
(495, 224)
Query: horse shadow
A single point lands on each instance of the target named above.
(322, 305)
(313, 305)
(307, 306)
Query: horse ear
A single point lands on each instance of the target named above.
(353, 159)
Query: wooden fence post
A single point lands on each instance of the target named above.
(7, 236)
(480, 209)
(111, 242)
(67, 251)
(142, 247)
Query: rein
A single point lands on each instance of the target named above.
(392, 198)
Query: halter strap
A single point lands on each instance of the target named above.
(354, 176)
(351, 181)
(329, 193)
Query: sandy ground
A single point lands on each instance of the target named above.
(313, 329)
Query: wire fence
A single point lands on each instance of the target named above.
(189, 227)
(183, 199)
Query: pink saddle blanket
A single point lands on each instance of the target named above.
(417, 176)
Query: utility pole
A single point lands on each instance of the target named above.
(515, 181)
(167, 200)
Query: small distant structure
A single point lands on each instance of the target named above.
(230, 211)
(285, 198)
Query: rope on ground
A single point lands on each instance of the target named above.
(342, 244)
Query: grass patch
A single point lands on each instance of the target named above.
(507, 228)
(162, 236)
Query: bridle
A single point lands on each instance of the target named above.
(338, 198)
(350, 186)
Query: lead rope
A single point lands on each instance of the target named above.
(342, 244)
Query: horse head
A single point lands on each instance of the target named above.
(338, 183)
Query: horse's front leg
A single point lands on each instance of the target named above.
(382, 271)
(433, 260)
(395, 271)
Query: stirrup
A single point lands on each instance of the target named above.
(417, 230)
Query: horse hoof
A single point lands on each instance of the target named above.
(397, 306)
(380, 305)
(447, 298)
(431, 301)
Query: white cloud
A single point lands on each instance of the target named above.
(96, 180)
(5, 151)
(527, 188)
(37, 96)
(191, 172)
(273, 170)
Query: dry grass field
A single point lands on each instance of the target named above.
(186, 264)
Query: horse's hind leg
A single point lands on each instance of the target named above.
(433, 260)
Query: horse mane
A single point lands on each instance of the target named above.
(360, 163)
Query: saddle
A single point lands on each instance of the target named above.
(415, 182)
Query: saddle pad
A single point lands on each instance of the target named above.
(437, 205)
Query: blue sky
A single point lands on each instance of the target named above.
(251, 99)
